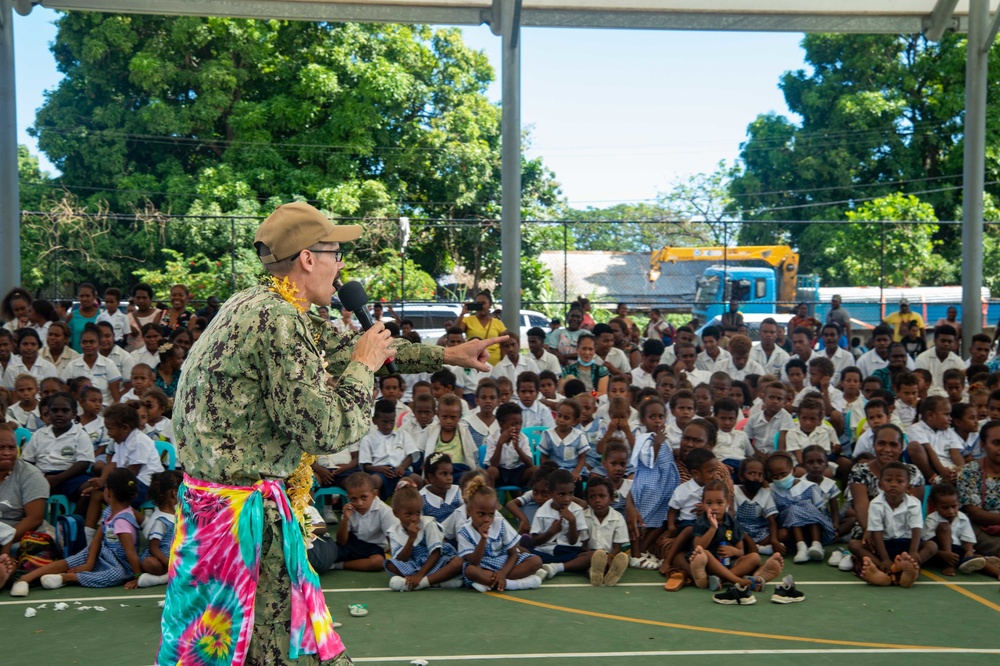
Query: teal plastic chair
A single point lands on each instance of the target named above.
(509, 490)
(165, 447)
(534, 435)
(328, 491)
(21, 437)
(56, 506)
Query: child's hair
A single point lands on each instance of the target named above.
(746, 462)
(487, 383)
(876, 403)
(654, 347)
(144, 368)
(683, 394)
(745, 390)
(615, 446)
(697, 458)
(959, 409)
(740, 344)
(619, 404)
(423, 400)
(544, 471)
(478, 486)
(398, 377)
(572, 404)
(162, 484)
(644, 394)
(62, 395)
(646, 404)
(450, 400)
(359, 481)
(811, 449)
(721, 376)
(528, 377)
(776, 386)
(796, 363)
(885, 394)
(725, 405)
(159, 396)
(560, 477)
(406, 496)
(715, 484)
(823, 365)
(810, 403)
(853, 370)
(547, 374)
(953, 373)
(445, 378)
(25, 377)
(932, 403)
(599, 482)
(507, 410)
(706, 387)
(122, 415)
(384, 407)
(574, 387)
(778, 455)
(941, 490)
(122, 484)
(897, 465)
(434, 461)
(504, 381)
(75, 384)
(422, 384)
(711, 430)
(661, 369)
(751, 380)
(711, 332)
(113, 292)
(617, 379)
(925, 375)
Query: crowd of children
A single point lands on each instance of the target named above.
(710, 465)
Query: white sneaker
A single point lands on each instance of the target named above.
(450, 584)
(816, 551)
(481, 587)
(151, 580)
(801, 555)
(547, 571)
(846, 564)
(330, 516)
(398, 583)
(531, 583)
(835, 557)
(766, 550)
(52, 581)
(19, 589)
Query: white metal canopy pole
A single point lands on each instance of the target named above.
(510, 179)
(10, 226)
(977, 56)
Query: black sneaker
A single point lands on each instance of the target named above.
(735, 596)
(786, 592)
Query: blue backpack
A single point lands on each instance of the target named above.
(70, 535)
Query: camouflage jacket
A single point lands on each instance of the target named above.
(253, 396)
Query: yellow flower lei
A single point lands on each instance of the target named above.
(299, 484)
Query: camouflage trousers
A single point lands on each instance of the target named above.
(273, 607)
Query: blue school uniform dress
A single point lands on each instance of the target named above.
(752, 514)
(441, 508)
(656, 478)
(802, 505)
(159, 526)
(593, 432)
(501, 538)
(529, 507)
(429, 538)
(112, 566)
(564, 452)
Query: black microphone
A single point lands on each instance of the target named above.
(353, 297)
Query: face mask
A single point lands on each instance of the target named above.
(752, 487)
(586, 364)
(784, 483)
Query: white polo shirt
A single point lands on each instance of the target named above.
(824, 436)
(685, 498)
(942, 441)
(961, 528)
(897, 523)
(706, 362)
(761, 431)
(103, 373)
(547, 515)
(774, 364)
(392, 449)
(929, 361)
(51, 453)
(727, 366)
(604, 534)
(373, 526)
(138, 449)
(42, 369)
(733, 445)
(508, 454)
(505, 368)
(536, 415)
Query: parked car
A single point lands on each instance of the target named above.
(752, 321)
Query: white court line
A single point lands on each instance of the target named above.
(668, 653)
(357, 590)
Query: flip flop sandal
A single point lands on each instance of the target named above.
(358, 610)
(675, 581)
(756, 583)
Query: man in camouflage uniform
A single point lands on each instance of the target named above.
(256, 395)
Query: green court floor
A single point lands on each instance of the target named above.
(567, 621)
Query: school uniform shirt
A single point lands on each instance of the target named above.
(828, 490)
(467, 379)
(29, 420)
(142, 355)
(865, 443)
(123, 361)
(429, 536)
(462, 448)
(374, 525)
(505, 368)
(118, 321)
(508, 455)
(138, 449)
(52, 453)
(761, 431)
(392, 449)
(441, 508)
(734, 445)
(565, 452)
(841, 359)
(102, 374)
(547, 515)
(961, 528)
(549, 361)
(854, 414)
(97, 433)
(341, 457)
(836, 397)
(616, 357)
(753, 513)
(773, 364)
(162, 429)
(41, 369)
(971, 447)
(942, 441)
(642, 379)
(929, 361)
(160, 526)
(707, 363)
(536, 415)
(897, 523)
(673, 434)
(452, 525)
(401, 413)
(824, 436)
(687, 496)
(500, 539)
(604, 534)
(68, 354)
(906, 414)
(417, 432)
(729, 367)
(870, 361)
(604, 416)
(479, 430)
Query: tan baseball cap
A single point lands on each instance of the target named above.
(293, 227)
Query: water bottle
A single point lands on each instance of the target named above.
(724, 560)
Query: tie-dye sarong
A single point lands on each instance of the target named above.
(208, 616)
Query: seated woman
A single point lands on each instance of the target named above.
(979, 491)
(585, 368)
(23, 492)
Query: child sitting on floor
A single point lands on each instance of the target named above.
(420, 558)
(524, 507)
(559, 529)
(361, 535)
(385, 454)
(159, 528)
(508, 459)
(608, 533)
(755, 510)
(952, 531)
(441, 496)
(799, 507)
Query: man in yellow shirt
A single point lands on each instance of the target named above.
(901, 320)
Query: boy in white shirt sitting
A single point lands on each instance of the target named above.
(933, 446)
(363, 534)
(812, 430)
(952, 531)
(386, 454)
(533, 412)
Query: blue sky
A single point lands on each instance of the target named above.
(618, 115)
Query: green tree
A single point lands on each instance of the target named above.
(35, 187)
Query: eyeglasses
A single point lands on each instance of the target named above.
(338, 255)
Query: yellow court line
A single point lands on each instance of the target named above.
(974, 597)
(713, 630)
